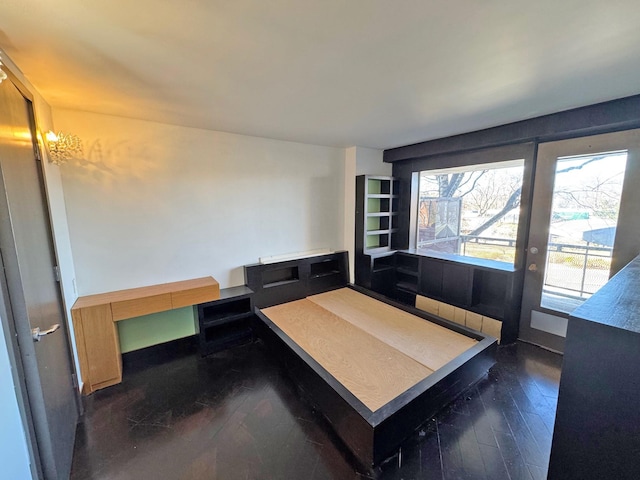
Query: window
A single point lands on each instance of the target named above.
(471, 211)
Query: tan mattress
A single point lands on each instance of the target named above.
(375, 350)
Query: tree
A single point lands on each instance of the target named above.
(504, 193)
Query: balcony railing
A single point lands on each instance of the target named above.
(573, 271)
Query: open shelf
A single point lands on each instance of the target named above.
(378, 240)
(226, 321)
(408, 263)
(280, 276)
(324, 268)
(379, 185)
(220, 312)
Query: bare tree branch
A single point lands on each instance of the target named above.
(512, 202)
(474, 183)
(584, 164)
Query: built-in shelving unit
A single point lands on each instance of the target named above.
(279, 282)
(407, 278)
(226, 321)
(481, 286)
(376, 222)
(379, 196)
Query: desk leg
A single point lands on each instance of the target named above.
(101, 348)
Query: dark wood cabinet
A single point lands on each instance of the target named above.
(280, 282)
(226, 321)
(597, 426)
(480, 286)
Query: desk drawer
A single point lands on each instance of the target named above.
(195, 296)
(140, 306)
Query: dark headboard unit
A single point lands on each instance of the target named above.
(281, 282)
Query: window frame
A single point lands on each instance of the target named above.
(495, 165)
(408, 173)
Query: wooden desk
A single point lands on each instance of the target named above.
(96, 333)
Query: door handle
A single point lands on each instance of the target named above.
(37, 334)
(533, 267)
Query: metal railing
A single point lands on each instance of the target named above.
(564, 261)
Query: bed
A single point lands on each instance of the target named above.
(375, 369)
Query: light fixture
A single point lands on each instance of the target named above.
(3, 75)
(63, 147)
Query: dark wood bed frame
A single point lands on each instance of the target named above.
(371, 437)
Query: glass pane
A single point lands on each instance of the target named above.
(584, 216)
(471, 211)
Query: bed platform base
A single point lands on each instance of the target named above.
(373, 436)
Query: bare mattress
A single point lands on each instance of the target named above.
(376, 371)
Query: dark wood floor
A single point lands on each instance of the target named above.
(235, 415)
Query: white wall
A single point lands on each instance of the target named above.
(369, 162)
(358, 161)
(153, 203)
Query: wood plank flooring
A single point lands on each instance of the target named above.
(236, 415)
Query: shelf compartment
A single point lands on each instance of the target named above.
(219, 337)
(378, 186)
(323, 269)
(377, 240)
(218, 312)
(214, 322)
(280, 276)
(407, 280)
(384, 262)
(377, 204)
(225, 322)
(377, 222)
(408, 263)
(406, 271)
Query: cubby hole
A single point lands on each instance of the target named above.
(408, 264)
(279, 276)
(322, 269)
(377, 240)
(377, 222)
(216, 338)
(380, 205)
(383, 263)
(221, 312)
(406, 281)
(226, 331)
(489, 293)
(378, 186)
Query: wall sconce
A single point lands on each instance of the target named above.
(63, 147)
(3, 76)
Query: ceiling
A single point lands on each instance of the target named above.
(373, 73)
